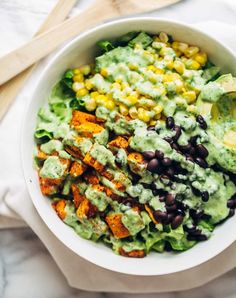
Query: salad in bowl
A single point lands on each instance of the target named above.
(137, 150)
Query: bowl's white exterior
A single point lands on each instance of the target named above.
(77, 52)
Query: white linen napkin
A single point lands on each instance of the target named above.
(17, 210)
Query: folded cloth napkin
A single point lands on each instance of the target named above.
(17, 210)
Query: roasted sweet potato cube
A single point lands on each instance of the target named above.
(89, 160)
(77, 196)
(59, 207)
(116, 226)
(132, 254)
(119, 142)
(107, 174)
(41, 155)
(89, 129)
(150, 213)
(67, 163)
(79, 117)
(86, 210)
(77, 169)
(91, 178)
(49, 186)
(135, 157)
(73, 151)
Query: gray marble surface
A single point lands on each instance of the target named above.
(26, 268)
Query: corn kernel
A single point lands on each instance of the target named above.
(118, 80)
(94, 94)
(175, 45)
(116, 86)
(190, 96)
(133, 66)
(76, 71)
(143, 115)
(77, 86)
(90, 104)
(163, 37)
(159, 71)
(124, 85)
(192, 64)
(88, 84)
(192, 109)
(171, 77)
(78, 78)
(169, 64)
(179, 67)
(179, 85)
(151, 67)
(81, 92)
(157, 116)
(133, 112)
(191, 51)
(156, 38)
(178, 53)
(132, 99)
(123, 110)
(104, 72)
(109, 104)
(201, 58)
(101, 99)
(158, 109)
(85, 69)
(182, 47)
(153, 122)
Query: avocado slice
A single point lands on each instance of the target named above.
(213, 92)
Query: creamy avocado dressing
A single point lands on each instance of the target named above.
(52, 168)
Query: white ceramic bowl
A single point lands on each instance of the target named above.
(82, 50)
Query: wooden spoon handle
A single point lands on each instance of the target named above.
(20, 59)
(10, 90)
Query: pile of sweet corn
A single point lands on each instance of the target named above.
(135, 104)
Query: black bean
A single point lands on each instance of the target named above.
(166, 162)
(146, 186)
(193, 140)
(192, 151)
(205, 196)
(153, 186)
(180, 212)
(202, 122)
(202, 151)
(171, 208)
(189, 158)
(148, 154)
(160, 216)
(189, 230)
(231, 212)
(155, 192)
(170, 122)
(170, 172)
(168, 247)
(165, 179)
(162, 199)
(177, 130)
(177, 221)
(153, 165)
(201, 162)
(185, 148)
(175, 146)
(169, 140)
(196, 232)
(151, 128)
(196, 192)
(191, 238)
(170, 199)
(201, 237)
(170, 217)
(159, 154)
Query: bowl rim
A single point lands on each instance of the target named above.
(93, 259)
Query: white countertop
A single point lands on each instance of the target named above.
(26, 269)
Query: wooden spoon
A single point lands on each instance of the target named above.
(20, 59)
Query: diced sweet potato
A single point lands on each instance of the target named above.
(150, 213)
(79, 117)
(59, 207)
(91, 178)
(77, 169)
(107, 174)
(41, 155)
(136, 162)
(135, 157)
(74, 151)
(116, 226)
(119, 142)
(132, 254)
(86, 210)
(89, 160)
(77, 196)
(48, 186)
(67, 163)
(89, 129)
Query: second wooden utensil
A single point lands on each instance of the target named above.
(18, 60)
